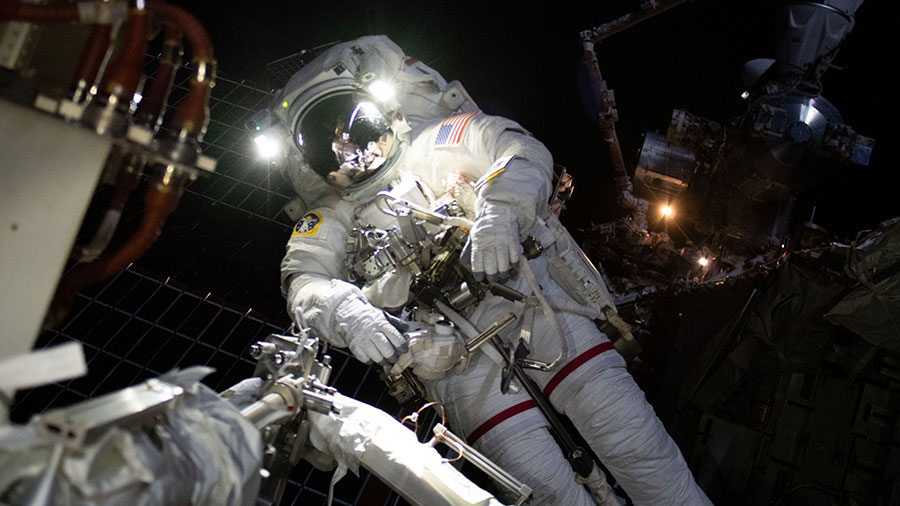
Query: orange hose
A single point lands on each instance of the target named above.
(159, 202)
(124, 74)
(156, 93)
(126, 181)
(192, 114)
(125, 71)
(93, 54)
(196, 34)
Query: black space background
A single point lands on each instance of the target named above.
(188, 301)
(523, 62)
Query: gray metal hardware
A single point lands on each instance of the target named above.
(80, 424)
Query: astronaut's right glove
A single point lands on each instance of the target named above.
(494, 240)
(367, 332)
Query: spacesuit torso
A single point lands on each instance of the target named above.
(445, 160)
(500, 178)
(477, 159)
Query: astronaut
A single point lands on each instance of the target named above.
(360, 163)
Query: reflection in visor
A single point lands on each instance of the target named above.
(345, 138)
(357, 163)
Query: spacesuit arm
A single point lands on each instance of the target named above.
(522, 171)
(312, 269)
(512, 184)
(319, 299)
(312, 300)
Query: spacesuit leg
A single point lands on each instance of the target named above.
(594, 389)
(509, 430)
(612, 414)
(596, 392)
(534, 458)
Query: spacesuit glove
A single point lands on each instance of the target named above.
(367, 332)
(494, 240)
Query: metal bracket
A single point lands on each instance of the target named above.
(82, 423)
(500, 476)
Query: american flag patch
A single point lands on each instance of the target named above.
(452, 129)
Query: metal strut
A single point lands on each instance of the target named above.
(580, 460)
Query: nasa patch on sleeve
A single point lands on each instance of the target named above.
(496, 169)
(308, 224)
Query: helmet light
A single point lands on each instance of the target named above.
(382, 90)
(267, 146)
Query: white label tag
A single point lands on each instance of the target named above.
(40, 367)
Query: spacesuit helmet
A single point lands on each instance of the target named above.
(346, 137)
(315, 107)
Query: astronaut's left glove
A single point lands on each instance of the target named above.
(494, 240)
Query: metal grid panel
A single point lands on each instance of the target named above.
(283, 68)
(241, 180)
(220, 249)
(188, 300)
(228, 234)
(138, 326)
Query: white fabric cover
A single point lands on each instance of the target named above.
(203, 453)
(364, 435)
(432, 352)
(623, 430)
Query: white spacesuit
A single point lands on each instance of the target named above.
(499, 175)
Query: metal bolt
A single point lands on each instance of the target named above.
(256, 350)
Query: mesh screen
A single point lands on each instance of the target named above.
(205, 292)
(283, 68)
